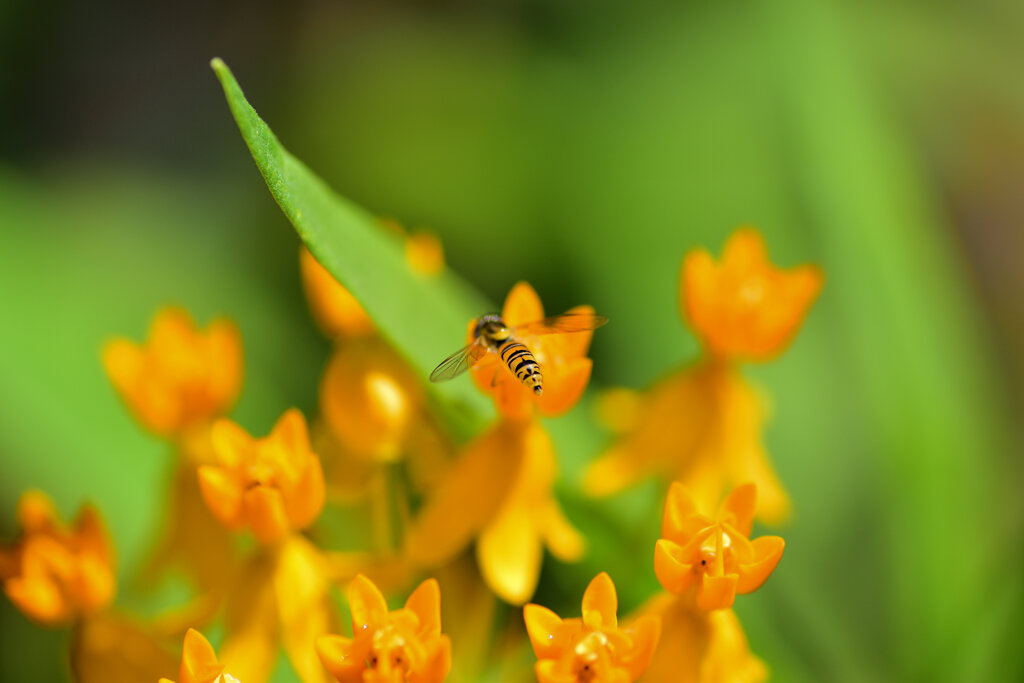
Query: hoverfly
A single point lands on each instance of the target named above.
(492, 334)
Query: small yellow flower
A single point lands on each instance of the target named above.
(272, 486)
(54, 574)
(744, 308)
(335, 310)
(713, 559)
(499, 491)
(592, 649)
(199, 662)
(389, 647)
(562, 357)
(181, 377)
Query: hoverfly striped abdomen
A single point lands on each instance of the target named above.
(523, 364)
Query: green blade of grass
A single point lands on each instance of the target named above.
(424, 317)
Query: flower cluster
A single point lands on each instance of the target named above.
(702, 425)
(467, 518)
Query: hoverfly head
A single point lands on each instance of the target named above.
(491, 326)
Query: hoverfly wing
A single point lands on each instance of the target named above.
(460, 361)
(562, 324)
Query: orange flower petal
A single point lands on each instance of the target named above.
(334, 308)
(577, 344)
(92, 534)
(367, 604)
(230, 442)
(469, 496)
(123, 360)
(745, 250)
(252, 629)
(224, 343)
(717, 592)
(767, 553)
(425, 603)
(561, 537)
(291, 431)
(619, 409)
(600, 604)
(198, 660)
(513, 400)
(552, 671)
(39, 599)
(740, 505)
(564, 390)
(222, 495)
(673, 572)
(697, 288)
(616, 469)
(94, 585)
(306, 500)
(439, 663)
(264, 510)
(36, 512)
(339, 657)
(305, 609)
(509, 552)
(541, 625)
(645, 633)
(522, 305)
(680, 509)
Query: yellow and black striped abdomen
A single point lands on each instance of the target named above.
(523, 364)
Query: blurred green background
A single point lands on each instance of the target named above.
(881, 139)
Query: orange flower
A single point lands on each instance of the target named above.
(592, 649)
(199, 662)
(701, 426)
(745, 308)
(562, 357)
(389, 647)
(272, 486)
(182, 377)
(500, 490)
(54, 574)
(369, 398)
(335, 310)
(713, 558)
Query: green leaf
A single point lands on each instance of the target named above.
(423, 317)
